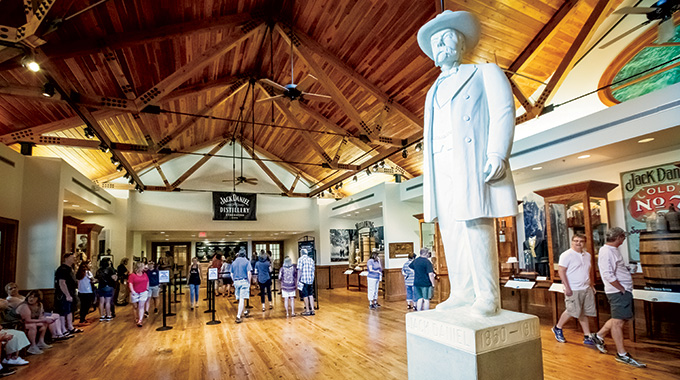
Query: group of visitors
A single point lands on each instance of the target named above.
(24, 325)
(577, 279)
(419, 278)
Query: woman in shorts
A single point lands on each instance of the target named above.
(227, 281)
(106, 280)
(138, 283)
(288, 279)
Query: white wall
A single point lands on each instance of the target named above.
(40, 225)
(607, 172)
(116, 226)
(400, 225)
(11, 182)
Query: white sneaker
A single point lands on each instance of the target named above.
(17, 361)
(33, 350)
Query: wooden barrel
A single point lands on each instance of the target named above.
(660, 258)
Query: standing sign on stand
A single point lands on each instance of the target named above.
(212, 274)
(163, 276)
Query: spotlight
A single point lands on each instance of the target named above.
(368, 172)
(119, 168)
(382, 164)
(375, 168)
(355, 178)
(114, 160)
(131, 181)
(140, 189)
(31, 64)
(404, 153)
(419, 147)
(104, 148)
(126, 175)
(48, 90)
(330, 190)
(88, 132)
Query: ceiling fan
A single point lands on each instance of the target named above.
(662, 10)
(241, 179)
(293, 91)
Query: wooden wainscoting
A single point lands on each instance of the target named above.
(331, 276)
(395, 289)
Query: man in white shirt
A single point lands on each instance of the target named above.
(579, 294)
(618, 285)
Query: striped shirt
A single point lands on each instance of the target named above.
(408, 273)
(305, 269)
(374, 269)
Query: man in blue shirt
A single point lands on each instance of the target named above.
(241, 272)
(423, 281)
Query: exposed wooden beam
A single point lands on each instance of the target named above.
(594, 19)
(190, 121)
(548, 29)
(71, 122)
(264, 167)
(295, 181)
(526, 103)
(160, 172)
(160, 90)
(70, 48)
(200, 163)
(349, 72)
(355, 141)
(52, 74)
(338, 152)
(34, 17)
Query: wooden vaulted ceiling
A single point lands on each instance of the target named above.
(137, 70)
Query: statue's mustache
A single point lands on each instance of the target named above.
(442, 55)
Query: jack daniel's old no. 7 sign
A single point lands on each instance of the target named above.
(234, 206)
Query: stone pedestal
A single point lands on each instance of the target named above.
(455, 344)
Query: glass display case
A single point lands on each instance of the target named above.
(575, 208)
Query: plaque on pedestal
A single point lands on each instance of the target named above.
(457, 345)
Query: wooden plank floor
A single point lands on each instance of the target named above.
(344, 340)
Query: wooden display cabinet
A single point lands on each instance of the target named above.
(69, 234)
(91, 249)
(506, 244)
(577, 207)
(430, 237)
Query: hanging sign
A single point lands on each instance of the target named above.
(234, 206)
(646, 191)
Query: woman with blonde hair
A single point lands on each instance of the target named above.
(288, 279)
(138, 283)
(13, 296)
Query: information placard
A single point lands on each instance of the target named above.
(163, 276)
(212, 274)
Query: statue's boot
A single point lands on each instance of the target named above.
(456, 300)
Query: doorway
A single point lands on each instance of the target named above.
(9, 233)
(180, 253)
(275, 247)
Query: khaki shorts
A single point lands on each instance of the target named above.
(581, 302)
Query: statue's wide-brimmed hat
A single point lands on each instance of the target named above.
(461, 21)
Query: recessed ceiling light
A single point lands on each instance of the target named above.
(583, 157)
(89, 212)
(162, 232)
(537, 168)
(167, 239)
(65, 200)
(193, 235)
(648, 139)
(368, 209)
(75, 205)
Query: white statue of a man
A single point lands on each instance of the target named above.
(468, 132)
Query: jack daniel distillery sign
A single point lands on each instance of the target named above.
(234, 206)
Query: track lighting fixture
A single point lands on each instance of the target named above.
(382, 164)
(119, 168)
(139, 188)
(48, 90)
(368, 172)
(355, 178)
(126, 175)
(419, 147)
(375, 168)
(104, 148)
(88, 132)
(404, 153)
(114, 160)
(131, 181)
(30, 63)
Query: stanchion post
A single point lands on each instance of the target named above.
(212, 303)
(170, 313)
(165, 327)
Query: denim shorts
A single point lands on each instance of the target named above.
(242, 289)
(424, 292)
(307, 290)
(409, 292)
(105, 292)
